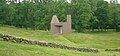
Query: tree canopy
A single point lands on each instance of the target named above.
(37, 14)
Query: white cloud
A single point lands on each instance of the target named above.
(109, 1)
(69, 0)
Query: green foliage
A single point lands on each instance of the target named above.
(37, 14)
(102, 14)
(81, 14)
(114, 16)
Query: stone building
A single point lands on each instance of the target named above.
(60, 27)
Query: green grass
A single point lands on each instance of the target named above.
(100, 40)
(34, 35)
(13, 49)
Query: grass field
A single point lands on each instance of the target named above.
(100, 40)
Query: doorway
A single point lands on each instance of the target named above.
(60, 30)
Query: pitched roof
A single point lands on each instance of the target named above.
(54, 19)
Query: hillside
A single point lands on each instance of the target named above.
(99, 40)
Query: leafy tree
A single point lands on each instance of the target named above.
(81, 13)
(102, 14)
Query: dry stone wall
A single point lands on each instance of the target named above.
(116, 49)
(46, 44)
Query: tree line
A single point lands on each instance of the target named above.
(89, 15)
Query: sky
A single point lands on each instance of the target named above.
(109, 0)
(105, 0)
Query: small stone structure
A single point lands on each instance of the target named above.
(60, 27)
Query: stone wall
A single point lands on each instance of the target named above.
(46, 44)
(116, 49)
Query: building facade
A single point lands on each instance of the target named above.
(60, 27)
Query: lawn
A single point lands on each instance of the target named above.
(99, 40)
(34, 35)
(13, 49)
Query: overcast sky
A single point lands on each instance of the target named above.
(109, 0)
(105, 0)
